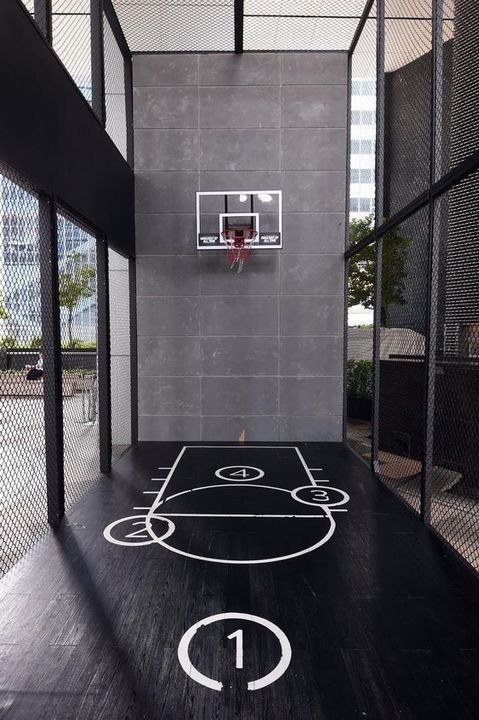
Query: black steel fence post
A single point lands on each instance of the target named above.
(346, 245)
(52, 360)
(133, 354)
(239, 25)
(103, 350)
(378, 219)
(433, 265)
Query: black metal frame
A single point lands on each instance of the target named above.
(48, 248)
(133, 353)
(239, 26)
(429, 199)
(43, 20)
(104, 355)
(113, 21)
(52, 360)
(378, 216)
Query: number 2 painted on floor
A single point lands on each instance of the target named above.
(238, 636)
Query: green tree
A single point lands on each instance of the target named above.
(362, 268)
(75, 283)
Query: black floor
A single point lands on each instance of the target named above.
(380, 618)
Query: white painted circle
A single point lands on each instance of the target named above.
(319, 489)
(160, 505)
(136, 537)
(237, 468)
(197, 676)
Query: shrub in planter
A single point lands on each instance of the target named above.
(359, 389)
(9, 342)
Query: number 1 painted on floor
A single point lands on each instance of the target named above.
(238, 636)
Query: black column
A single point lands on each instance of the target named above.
(239, 25)
(379, 213)
(52, 360)
(103, 350)
(133, 354)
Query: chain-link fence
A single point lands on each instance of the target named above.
(77, 285)
(426, 355)
(115, 101)
(49, 385)
(360, 340)
(361, 268)
(284, 25)
(71, 38)
(30, 5)
(266, 25)
(403, 315)
(89, 47)
(455, 410)
(120, 373)
(23, 506)
(363, 128)
(457, 112)
(407, 107)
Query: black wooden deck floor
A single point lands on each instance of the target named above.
(381, 619)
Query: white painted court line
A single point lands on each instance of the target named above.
(234, 515)
(303, 462)
(230, 561)
(214, 487)
(171, 472)
(153, 512)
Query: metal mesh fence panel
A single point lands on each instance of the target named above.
(269, 25)
(71, 30)
(457, 111)
(23, 502)
(282, 33)
(119, 285)
(29, 4)
(455, 457)
(78, 319)
(189, 25)
(304, 25)
(363, 123)
(359, 368)
(115, 104)
(402, 356)
(408, 83)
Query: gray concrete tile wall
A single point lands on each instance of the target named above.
(165, 107)
(262, 352)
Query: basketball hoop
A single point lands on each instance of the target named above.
(239, 241)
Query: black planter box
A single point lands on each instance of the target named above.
(359, 408)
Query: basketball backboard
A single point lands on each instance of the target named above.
(258, 210)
